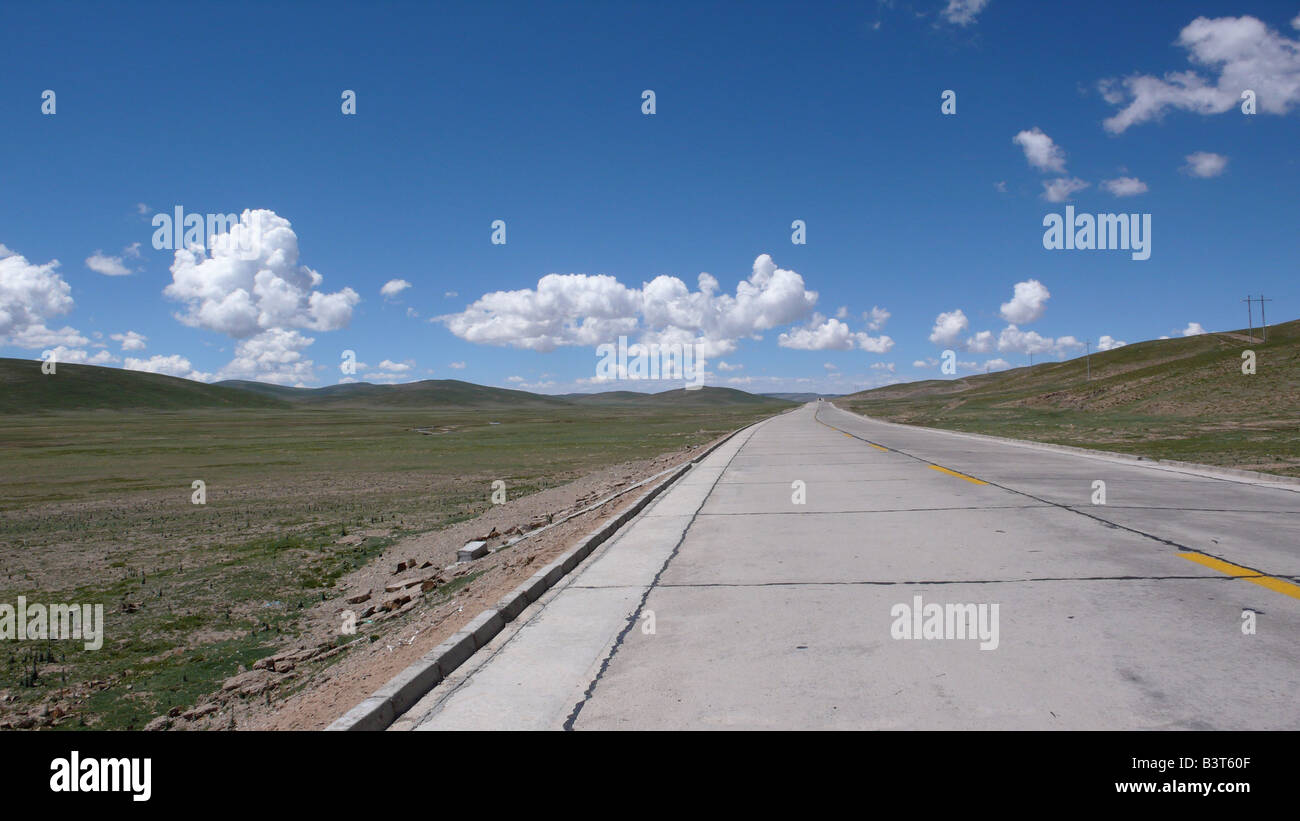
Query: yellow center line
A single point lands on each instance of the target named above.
(1236, 571)
(958, 475)
(1245, 573)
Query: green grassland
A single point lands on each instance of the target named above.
(1183, 399)
(95, 507)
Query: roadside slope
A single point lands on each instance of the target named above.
(1184, 399)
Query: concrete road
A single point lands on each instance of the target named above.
(733, 603)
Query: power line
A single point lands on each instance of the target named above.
(1250, 315)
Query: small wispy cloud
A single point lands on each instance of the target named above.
(1205, 164)
(1125, 186)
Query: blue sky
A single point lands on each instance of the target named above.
(532, 114)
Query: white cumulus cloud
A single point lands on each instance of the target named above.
(1014, 340)
(226, 292)
(981, 342)
(585, 309)
(39, 336)
(831, 334)
(1062, 189)
(260, 297)
(274, 355)
(1109, 343)
(1205, 164)
(173, 365)
(131, 341)
(1125, 186)
(393, 287)
(948, 327)
(1040, 150)
(31, 295)
(101, 263)
(963, 12)
(1228, 55)
(79, 356)
(1027, 304)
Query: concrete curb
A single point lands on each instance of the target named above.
(406, 688)
(1208, 471)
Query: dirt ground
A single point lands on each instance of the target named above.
(313, 680)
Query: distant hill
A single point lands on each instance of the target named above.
(606, 398)
(1183, 398)
(24, 389)
(678, 397)
(426, 393)
(801, 397)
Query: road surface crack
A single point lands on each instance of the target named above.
(636, 614)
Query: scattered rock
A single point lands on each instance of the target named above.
(159, 723)
(201, 711)
(242, 680)
(472, 550)
(396, 601)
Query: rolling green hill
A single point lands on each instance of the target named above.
(428, 393)
(1184, 399)
(678, 397)
(24, 389)
(800, 397)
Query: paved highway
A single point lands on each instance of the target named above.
(925, 580)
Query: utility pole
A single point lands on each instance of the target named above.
(1089, 356)
(1262, 321)
(1250, 317)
